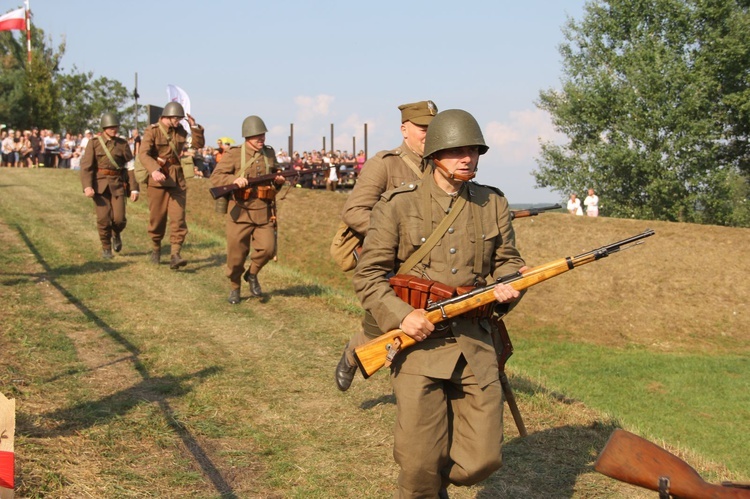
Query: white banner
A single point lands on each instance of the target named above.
(176, 94)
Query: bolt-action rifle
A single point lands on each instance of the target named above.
(632, 459)
(532, 212)
(223, 190)
(381, 351)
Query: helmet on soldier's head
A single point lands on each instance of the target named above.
(109, 120)
(453, 128)
(253, 126)
(173, 109)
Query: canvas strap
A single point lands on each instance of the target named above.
(411, 164)
(243, 161)
(169, 140)
(437, 234)
(108, 153)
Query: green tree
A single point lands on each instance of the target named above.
(655, 102)
(41, 94)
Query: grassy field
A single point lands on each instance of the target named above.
(136, 381)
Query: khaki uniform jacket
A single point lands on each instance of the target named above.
(155, 144)
(383, 172)
(253, 210)
(397, 229)
(95, 158)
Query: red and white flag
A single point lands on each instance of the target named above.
(15, 19)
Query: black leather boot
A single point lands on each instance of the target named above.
(252, 280)
(116, 242)
(344, 372)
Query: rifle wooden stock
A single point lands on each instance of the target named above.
(223, 190)
(380, 351)
(532, 212)
(632, 459)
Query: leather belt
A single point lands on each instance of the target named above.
(107, 171)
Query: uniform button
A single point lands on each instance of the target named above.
(453, 251)
(403, 183)
(454, 324)
(451, 230)
(453, 271)
(423, 239)
(482, 236)
(411, 186)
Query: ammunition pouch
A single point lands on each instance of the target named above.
(265, 192)
(421, 293)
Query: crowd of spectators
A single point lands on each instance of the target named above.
(44, 148)
(344, 171)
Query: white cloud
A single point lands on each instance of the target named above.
(313, 107)
(518, 139)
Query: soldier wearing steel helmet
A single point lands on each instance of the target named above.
(108, 182)
(251, 219)
(160, 152)
(448, 393)
(385, 171)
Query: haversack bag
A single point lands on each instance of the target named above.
(344, 247)
(188, 166)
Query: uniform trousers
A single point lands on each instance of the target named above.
(447, 431)
(240, 238)
(163, 202)
(110, 216)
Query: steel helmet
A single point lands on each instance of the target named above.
(109, 120)
(173, 109)
(252, 126)
(453, 128)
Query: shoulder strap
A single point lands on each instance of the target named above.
(411, 164)
(169, 139)
(436, 235)
(109, 154)
(243, 166)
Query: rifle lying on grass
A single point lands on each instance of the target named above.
(223, 190)
(532, 212)
(380, 351)
(632, 459)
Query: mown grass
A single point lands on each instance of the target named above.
(132, 380)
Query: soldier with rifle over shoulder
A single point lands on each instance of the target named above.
(160, 153)
(252, 210)
(446, 229)
(108, 182)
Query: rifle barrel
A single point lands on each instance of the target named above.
(223, 190)
(380, 351)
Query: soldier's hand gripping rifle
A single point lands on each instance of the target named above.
(632, 459)
(223, 190)
(380, 351)
(532, 212)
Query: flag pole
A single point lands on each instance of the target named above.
(28, 30)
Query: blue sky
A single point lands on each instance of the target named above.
(341, 62)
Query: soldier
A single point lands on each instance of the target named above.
(106, 180)
(160, 153)
(252, 211)
(448, 392)
(384, 171)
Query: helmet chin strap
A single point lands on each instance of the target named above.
(454, 175)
